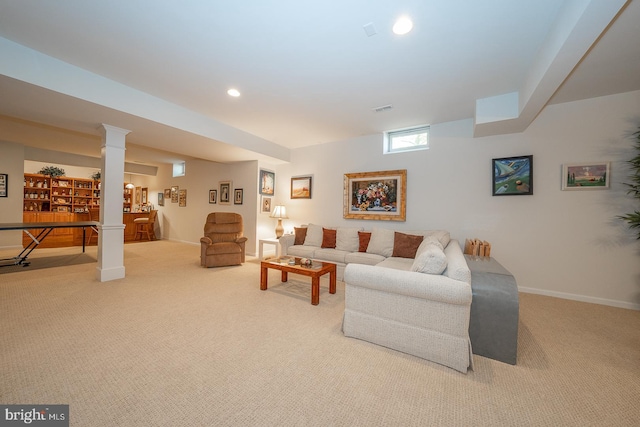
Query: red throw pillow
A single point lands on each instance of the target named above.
(328, 238)
(364, 237)
(406, 245)
(301, 234)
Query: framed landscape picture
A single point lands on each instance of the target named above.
(267, 182)
(586, 176)
(301, 187)
(376, 195)
(512, 176)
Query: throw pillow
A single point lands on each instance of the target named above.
(363, 240)
(430, 258)
(381, 242)
(314, 235)
(347, 239)
(301, 233)
(405, 245)
(328, 238)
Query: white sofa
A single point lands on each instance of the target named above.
(420, 306)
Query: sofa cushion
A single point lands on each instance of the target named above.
(397, 263)
(405, 245)
(302, 251)
(381, 242)
(363, 258)
(301, 233)
(328, 238)
(363, 240)
(430, 258)
(331, 255)
(347, 239)
(314, 235)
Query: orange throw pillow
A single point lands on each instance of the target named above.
(301, 234)
(364, 237)
(406, 245)
(328, 238)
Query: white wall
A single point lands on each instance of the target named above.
(11, 158)
(186, 223)
(561, 243)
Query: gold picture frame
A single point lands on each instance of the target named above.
(376, 195)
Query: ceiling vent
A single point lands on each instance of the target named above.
(383, 108)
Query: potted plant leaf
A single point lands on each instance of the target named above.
(633, 219)
(52, 171)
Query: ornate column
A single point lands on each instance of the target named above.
(111, 236)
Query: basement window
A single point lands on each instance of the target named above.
(410, 139)
(179, 169)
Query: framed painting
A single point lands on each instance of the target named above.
(266, 205)
(512, 176)
(160, 199)
(586, 176)
(376, 195)
(237, 196)
(301, 187)
(174, 194)
(213, 196)
(138, 195)
(4, 185)
(225, 192)
(267, 182)
(167, 194)
(182, 198)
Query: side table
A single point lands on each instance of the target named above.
(270, 241)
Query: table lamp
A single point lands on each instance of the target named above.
(279, 212)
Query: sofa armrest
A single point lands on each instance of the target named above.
(286, 241)
(418, 285)
(206, 241)
(241, 239)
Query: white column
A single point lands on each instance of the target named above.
(111, 236)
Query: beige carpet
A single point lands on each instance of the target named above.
(174, 344)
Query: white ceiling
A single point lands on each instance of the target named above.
(307, 71)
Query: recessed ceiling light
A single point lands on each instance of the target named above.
(402, 26)
(233, 92)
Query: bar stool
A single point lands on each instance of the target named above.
(146, 226)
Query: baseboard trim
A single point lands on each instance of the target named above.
(581, 298)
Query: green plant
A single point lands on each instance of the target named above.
(96, 176)
(633, 219)
(52, 171)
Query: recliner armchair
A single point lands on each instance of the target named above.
(223, 243)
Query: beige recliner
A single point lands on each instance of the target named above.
(223, 242)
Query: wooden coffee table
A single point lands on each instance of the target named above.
(319, 268)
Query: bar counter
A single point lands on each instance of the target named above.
(64, 237)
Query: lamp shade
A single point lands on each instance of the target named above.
(279, 212)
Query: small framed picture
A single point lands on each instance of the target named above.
(213, 197)
(237, 196)
(512, 176)
(586, 176)
(174, 194)
(182, 198)
(4, 185)
(267, 182)
(160, 199)
(225, 192)
(167, 194)
(301, 187)
(266, 204)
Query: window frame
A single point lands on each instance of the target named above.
(414, 130)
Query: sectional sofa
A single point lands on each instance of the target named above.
(409, 291)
